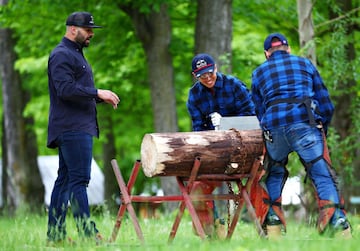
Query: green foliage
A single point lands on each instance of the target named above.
(253, 21)
(143, 5)
(338, 69)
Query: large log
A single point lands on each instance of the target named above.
(173, 154)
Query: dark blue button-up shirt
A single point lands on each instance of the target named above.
(228, 97)
(72, 92)
(285, 76)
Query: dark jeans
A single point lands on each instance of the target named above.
(308, 143)
(75, 155)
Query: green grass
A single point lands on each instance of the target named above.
(28, 232)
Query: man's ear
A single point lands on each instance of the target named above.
(289, 49)
(73, 30)
(267, 54)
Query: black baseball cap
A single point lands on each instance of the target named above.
(81, 19)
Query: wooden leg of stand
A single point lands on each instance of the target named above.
(194, 216)
(176, 222)
(244, 198)
(245, 194)
(237, 213)
(187, 203)
(133, 175)
(122, 208)
(118, 221)
(127, 201)
(252, 213)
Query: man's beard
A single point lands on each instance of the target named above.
(82, 41)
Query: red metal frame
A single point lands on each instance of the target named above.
(186, 198)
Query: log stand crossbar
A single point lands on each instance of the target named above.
(186, 199)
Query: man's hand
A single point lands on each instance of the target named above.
(109, 97)
(215, 119)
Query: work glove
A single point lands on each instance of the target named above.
(215, 119)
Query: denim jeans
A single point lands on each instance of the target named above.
(308, 143)
(75, 155)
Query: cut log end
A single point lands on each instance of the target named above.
(149, 157)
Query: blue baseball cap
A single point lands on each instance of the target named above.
(202, 63)
(268, 44)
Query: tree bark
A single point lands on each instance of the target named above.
(213, 31)
(13, 123)
(306, 29)
(23, 180)
(154, 32)
(173, 154)
(213, 35)
(109, 152)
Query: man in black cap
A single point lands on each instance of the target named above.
(72, 126)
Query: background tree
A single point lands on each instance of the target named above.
(306, 29)
(213, 35)
(153, 28)
(213, 31)
(21, 173)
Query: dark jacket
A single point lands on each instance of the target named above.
(72, 92)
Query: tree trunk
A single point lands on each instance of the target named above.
(213, 35)
(213, 31)
(13, 123)
(306, 28)
(221, 152)
(109, 152)
(23, 180)
(32, 185)
(154, 31)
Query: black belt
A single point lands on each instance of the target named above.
(306, 101)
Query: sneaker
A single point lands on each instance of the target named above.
(342, 229)
(273, 227)
(220, 229)
(273, 232)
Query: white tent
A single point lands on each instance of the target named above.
(48, 166)
(292, 191)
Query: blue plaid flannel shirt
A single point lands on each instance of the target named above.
(288, 76)
(231, 97)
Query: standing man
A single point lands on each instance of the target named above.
(72, 126)
(212, 96)
(294, 110)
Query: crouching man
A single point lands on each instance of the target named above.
(294, 110)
